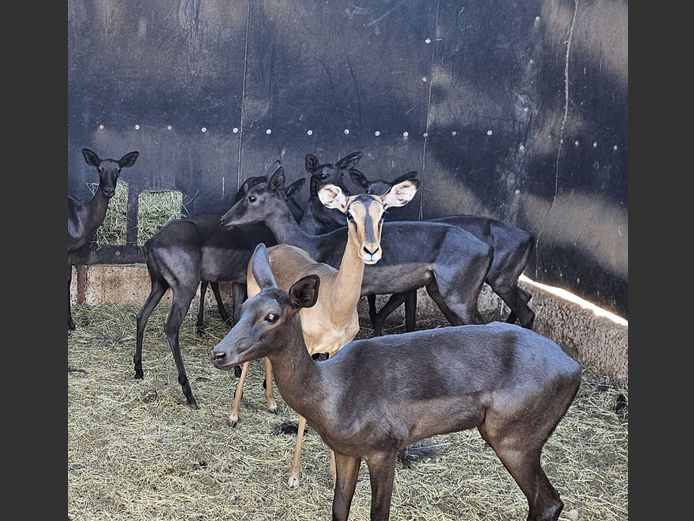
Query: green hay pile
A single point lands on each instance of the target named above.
(136, 451)
(155, 209)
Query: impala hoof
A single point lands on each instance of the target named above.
(293, 481)
(232, 422)
(194, 406)
(237, 371)
(139, 375)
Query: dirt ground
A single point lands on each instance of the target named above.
(136, 451)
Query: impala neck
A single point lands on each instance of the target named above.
(286, 230)
(349, 276)
(298, 375)
(96, 210)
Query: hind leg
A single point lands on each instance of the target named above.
(199, 324)
(182, 297)
(523, 463)
(70, 322)
(395, 301)
(157, 291)
(411, 310)
(433, 292)
(516, 299)
(220, 304)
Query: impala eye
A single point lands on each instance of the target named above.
(271, 317)
(252, 198)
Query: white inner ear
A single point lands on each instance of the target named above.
(332, 197)
(400, 194)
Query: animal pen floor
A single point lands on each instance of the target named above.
(136, 451)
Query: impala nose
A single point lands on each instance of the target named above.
(217, 356)
(372, 253)
(109, 192)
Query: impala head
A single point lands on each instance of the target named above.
(378, 186)
(328, 172)
(109, 169)
(267, 319)
(364, 213)
(260, 201)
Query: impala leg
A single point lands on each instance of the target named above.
(381, 474)
(238, 292)
(269, 398)
(295, 469)
(70, 322)
(347, 469)
(236, 404)
(411, 311)
(199, 323)
(157, 291)
(220, 304)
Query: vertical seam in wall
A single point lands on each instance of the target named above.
(431, 83)
(243, 96)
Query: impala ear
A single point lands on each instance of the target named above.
(332, 197)
(349, 161)
(304, 292)
(275, 176)
(404, 177)
(260, 266)
(295, 187)
(311, 163)
(91, 158)
(401, 193)
(128, 159)
(358, 178)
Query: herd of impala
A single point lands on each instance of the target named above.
(297, 276)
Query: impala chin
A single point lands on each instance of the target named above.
(371, 259)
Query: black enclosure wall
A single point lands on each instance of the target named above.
(511, 109)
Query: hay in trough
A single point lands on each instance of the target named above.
(136, 451)
(155, 209)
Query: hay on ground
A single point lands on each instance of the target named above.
(136, 451)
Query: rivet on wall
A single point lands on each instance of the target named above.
(377, 133)
(424, 79)
(405, 134)
(454, 133)
(426, 134)
(517, 192)
(235, 130)
(489, 132)
(525, 109)
(203, 129)
(595, 144)
(521, 148)
(168, 127)
(268, 131)
(576, 143)
(614, 147)
(428, 40)
(346, 131)
(561, 141)
(537, 18)
(309, 132)
(531, 61)
(137, 127)
(101, 126)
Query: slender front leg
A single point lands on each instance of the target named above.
(382, 474)
(199, 324)
(236, 404)
(271, 403)
(411, 311)
(70, 322)
(347, 468)
(238, 294)
(296, 462)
